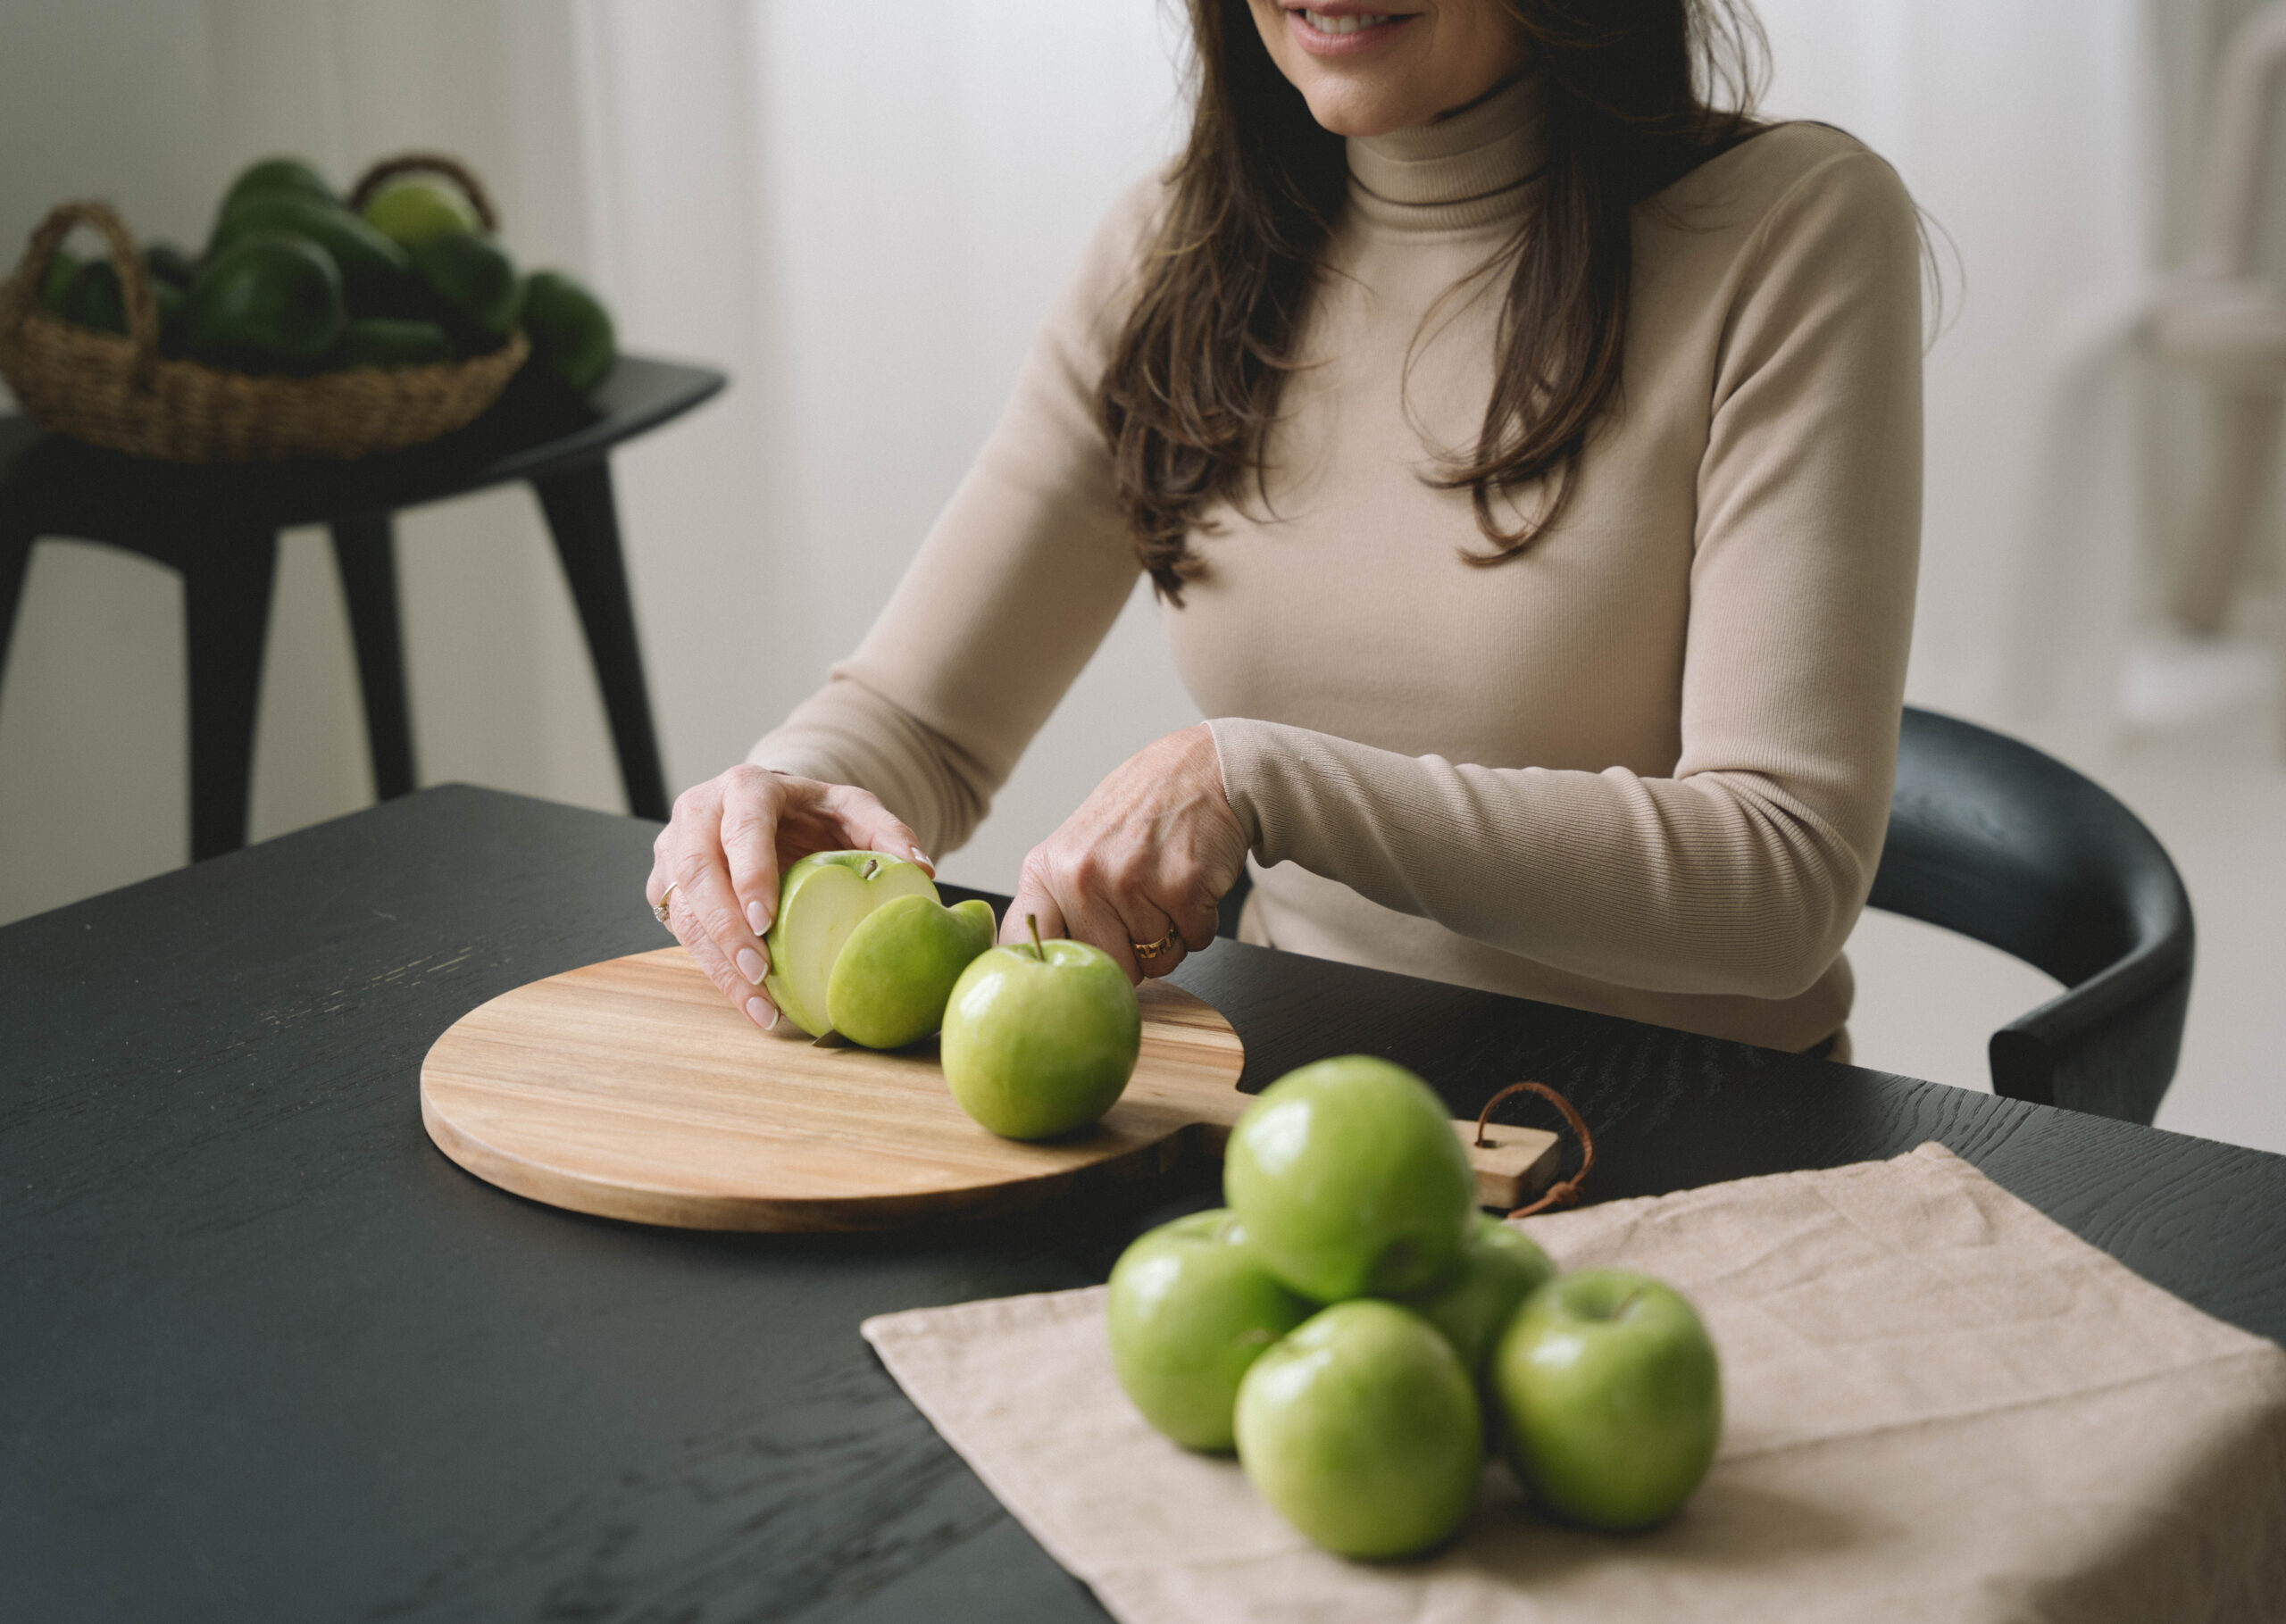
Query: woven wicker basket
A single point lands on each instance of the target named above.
(120, 393)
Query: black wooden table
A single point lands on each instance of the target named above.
(217, 526)
(266, 1354)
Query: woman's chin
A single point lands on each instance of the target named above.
(1371, 77)
(1351, 105)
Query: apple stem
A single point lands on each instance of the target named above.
(1031, 922)
(1626, 1303)
(872, 866)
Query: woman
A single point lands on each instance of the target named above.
(1528, 460)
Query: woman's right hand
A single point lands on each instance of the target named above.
(718, 861)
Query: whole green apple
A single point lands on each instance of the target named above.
(1190, 1310)
(889, 984)
(412, 212)
(1040, 1038)
(1609, 1397)
(1362, 1429)
(1350, 1180)
(821, 900)
(1499, 1267)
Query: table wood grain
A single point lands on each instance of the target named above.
(265, 1352)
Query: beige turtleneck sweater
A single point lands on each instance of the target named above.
(1644, 768)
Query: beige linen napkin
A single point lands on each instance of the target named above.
(1941, 1406)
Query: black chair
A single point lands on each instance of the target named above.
(1992, 840)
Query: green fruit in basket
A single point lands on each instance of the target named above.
(55, 284)
(570, 329)
(376, 277)
(171, 302)
(276, 175)
(266, 302)
(172, 275)
(391, 341)
(168, 302)
(474, 280)
(410, 211)
(170, 264)
(93, 299)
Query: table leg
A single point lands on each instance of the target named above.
(585, 522)
(226, 586)
(365, 550)
(15, 555)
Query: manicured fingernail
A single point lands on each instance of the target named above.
(759, 1011)
(757, 918)
(923, 858)
(751, 966)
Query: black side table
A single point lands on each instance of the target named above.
(219, 527)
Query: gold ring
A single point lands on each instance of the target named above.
(1152, 950)
(659, 908)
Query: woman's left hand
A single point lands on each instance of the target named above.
(1142, 863)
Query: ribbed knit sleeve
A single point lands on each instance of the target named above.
(1016, 583)
(1743, 871)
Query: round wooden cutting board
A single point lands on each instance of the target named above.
(631, 1089)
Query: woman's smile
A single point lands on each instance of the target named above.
(1367, 67)
(1339, 30)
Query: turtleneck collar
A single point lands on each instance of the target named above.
(1473, 169)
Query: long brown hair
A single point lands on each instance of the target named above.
(1637, 93)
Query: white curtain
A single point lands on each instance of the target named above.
(860, 212)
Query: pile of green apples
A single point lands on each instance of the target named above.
(1359, 1332)
(293, 280)
(1038, 1039)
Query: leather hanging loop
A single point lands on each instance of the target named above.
(1565, 1192)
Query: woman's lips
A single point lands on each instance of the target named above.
(1345, 30)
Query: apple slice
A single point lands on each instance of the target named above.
(889, 986)
(820, 902)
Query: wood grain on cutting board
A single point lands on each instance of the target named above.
(631, 1089)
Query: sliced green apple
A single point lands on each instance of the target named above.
(889, 986)
(821, 900)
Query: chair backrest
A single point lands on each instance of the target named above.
(1991, 838)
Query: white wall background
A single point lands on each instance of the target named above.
(860, 212)
(2023, 130)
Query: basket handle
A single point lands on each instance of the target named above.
(386, 170)
(134, 276)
